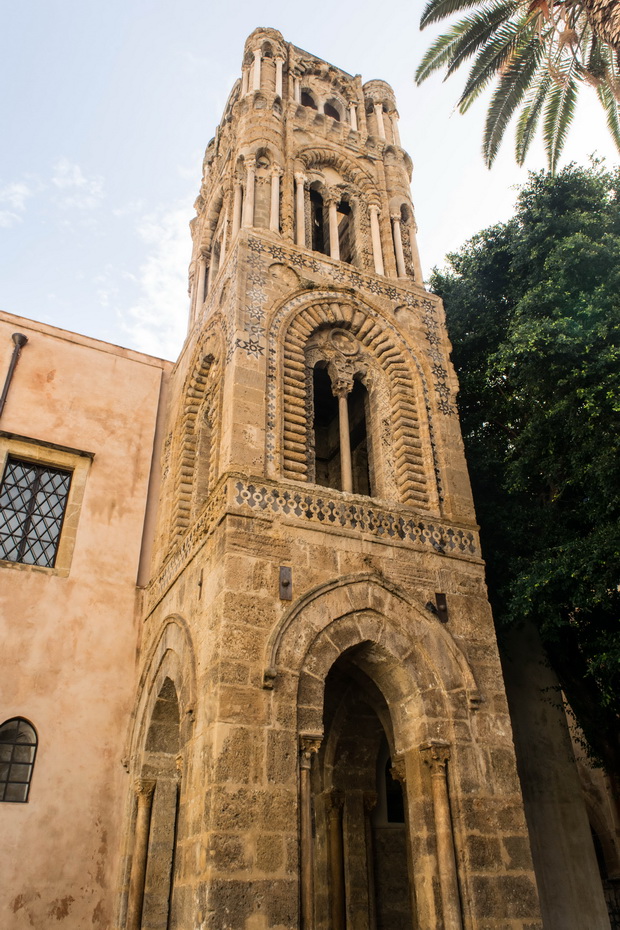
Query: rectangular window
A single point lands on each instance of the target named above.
(33, 500)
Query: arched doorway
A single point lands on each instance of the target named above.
(362, 869)
(156, 817)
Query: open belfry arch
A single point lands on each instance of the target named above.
(321, 737)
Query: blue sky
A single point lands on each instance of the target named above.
(106, 110)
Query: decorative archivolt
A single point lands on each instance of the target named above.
(201, 405)
(317, 158)
(409, 441)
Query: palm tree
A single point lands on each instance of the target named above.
(539, 52)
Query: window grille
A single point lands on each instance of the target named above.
(33, 500)
(18, 747)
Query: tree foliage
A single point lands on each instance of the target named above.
(533, 311)
(539, 53)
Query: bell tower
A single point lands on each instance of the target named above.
(321, 737)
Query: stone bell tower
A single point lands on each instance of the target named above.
(321, 737)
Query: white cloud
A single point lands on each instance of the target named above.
(76, 190)
(14, 196)
(157, 320)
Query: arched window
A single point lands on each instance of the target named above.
(18, 748)
(328, 463)
(331, 109)
(307, 100)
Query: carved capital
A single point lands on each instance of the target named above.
(277, 171)
(436, 754)
(334, 801)
(309, 743)
(374, 209)
(300, 177)
(395, 217)
(398, 770)
(370, 801)
(144, 789)
(250, 163)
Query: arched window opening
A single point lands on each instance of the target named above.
(358, 418)
(18, 748)
(267, 51)
(326, 430)
(405, 214)
(317, 222)
(345, 231)
(307, 100)
(331, 110)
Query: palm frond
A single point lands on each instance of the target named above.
(436, 10)
(610, 105)
(481, 27)
(491, 60)
(559, 111)
(530, 115)
(513, 84)
(439, 52)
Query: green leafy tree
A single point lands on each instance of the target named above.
(533, 311)
(539, 53)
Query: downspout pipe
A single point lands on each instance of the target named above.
(19, 341)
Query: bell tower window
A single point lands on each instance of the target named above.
(326, 430)
(307, 100)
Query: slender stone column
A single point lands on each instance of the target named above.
(224, 244)
(336, 860)
(341, 391)
(279, 71)
(245, 80)
(296, 89)
(396, 133)
(415, 253)
(370, 802)
(256, 70)
(308, 745)
(398, 247)
(144, 790)
(248, 204)
(375, 234)
(353, 116)
(379, 118)
(274, 215)
(199, 293)
(300, 218)
(436, 755)
(236, 223)
(334, 243)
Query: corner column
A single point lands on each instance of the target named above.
(353, 116)
(379, 118)
(375, 234)
(279, 72)
(248, 205)
(256, 70)
(236, 223)
(144, 789)
(308, 745)
(436, 755)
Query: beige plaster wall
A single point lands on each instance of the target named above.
(69, 644)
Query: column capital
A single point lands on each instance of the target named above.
(250, 163)
(341, 387)
(395, 217)
(279, 58)
(144, 788)
(256, 53)
(374, 208)
(300, 177)
(398, 770)
(277, 171)
(333, 196)
(309, 743)
(435, 754)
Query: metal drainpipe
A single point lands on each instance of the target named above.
(19, 342)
